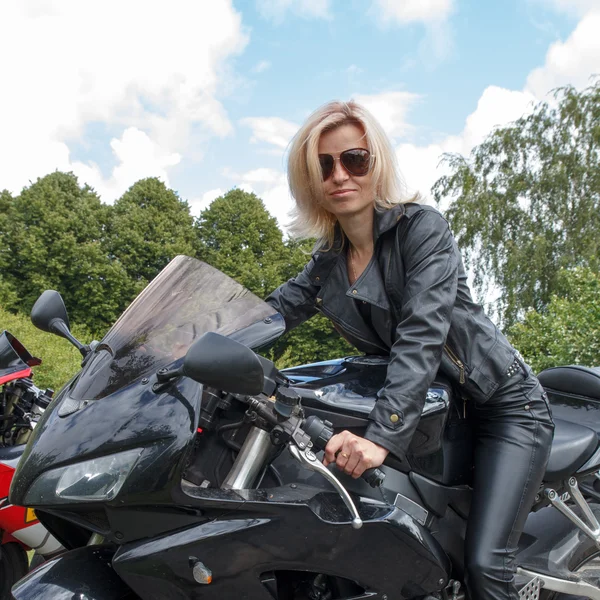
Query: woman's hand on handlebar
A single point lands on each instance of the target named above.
(353, 454)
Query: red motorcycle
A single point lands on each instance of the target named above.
(21, 405)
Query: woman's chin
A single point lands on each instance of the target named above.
(348, 207)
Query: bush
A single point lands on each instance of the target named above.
(567, 331)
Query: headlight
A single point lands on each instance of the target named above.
(96, 480)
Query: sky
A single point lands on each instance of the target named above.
(206, 94)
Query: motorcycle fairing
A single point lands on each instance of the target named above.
(163, 425)
(11, 376)
(95, 579)
(268, 535)
(15, 361)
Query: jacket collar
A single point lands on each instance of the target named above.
(369, 286)
(383, 220)
(387, 219)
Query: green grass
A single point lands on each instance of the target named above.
(60, 360)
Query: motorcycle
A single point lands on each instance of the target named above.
(21, 405)
(181, 464)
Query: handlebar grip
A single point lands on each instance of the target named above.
(374, 477)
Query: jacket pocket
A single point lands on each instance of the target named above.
(492, 370)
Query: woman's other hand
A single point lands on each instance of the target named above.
(353, 454)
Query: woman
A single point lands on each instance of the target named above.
(389, 275)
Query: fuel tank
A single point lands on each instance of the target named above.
(344, 391)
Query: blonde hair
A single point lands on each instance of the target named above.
(309, 218)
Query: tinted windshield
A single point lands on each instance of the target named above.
(187, 299)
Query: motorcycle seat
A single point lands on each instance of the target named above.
(572, 446)
(573, 380)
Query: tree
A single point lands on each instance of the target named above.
(238, 236)
(149, 226)
(8, 294)
(527, 201)
(55, 234)
(567, 331)
(316, 339)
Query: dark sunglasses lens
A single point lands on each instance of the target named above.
(357, 161)
(326, 161)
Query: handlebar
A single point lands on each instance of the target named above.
(320, 432)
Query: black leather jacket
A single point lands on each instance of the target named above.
(422, 315)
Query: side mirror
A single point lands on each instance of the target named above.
(50, 314)
(222, 363)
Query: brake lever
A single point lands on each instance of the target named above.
(308, 459)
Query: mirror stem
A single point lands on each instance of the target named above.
(59, 327)
(166, 375)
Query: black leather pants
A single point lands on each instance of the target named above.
(512, 438)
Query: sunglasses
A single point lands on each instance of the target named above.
(357, 161)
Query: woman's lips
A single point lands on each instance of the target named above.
(341, 192)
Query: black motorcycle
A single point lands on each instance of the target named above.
(179, 464)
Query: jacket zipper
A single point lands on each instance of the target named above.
(459, 363)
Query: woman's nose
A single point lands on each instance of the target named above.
(339, 174)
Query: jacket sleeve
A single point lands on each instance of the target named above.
(430, 258)
(295, 299)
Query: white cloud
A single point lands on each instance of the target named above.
(572, 61)
(138, 157)
(74, 64)
(496, 107)
(263, 175)
(437, 43)
(261, 66)
(576, 7)
(390, 109)
(272, 130)
(276, 10)
(353, 70)
(270, 185)
(197, 205)
(403, 12)
(419, 167)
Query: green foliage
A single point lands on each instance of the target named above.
(57, 235)
(53, 238)
(149, 226)
(567, 331)
(316, 339)
(238, 236)
(527, 201)
(60, 360)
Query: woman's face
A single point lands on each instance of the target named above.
(346, 194)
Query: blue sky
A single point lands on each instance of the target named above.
(207, 93)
